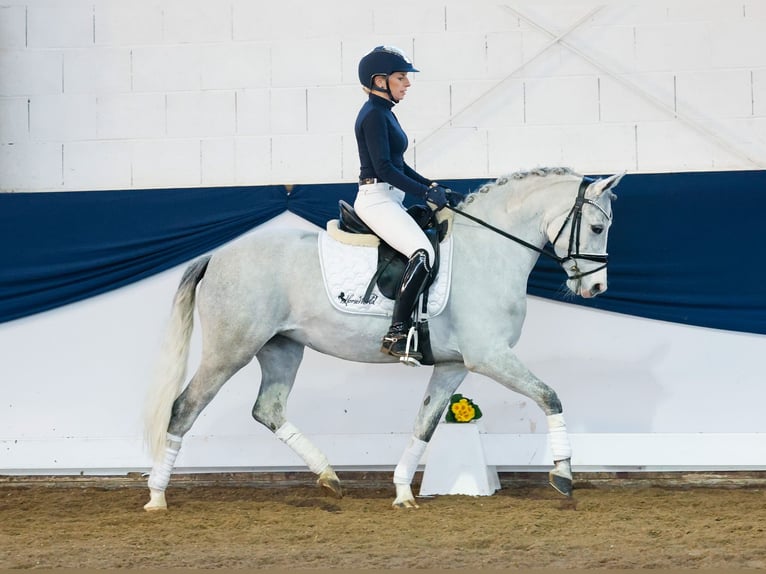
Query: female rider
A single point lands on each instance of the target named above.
(385, 178)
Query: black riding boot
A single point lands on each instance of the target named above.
(412, 285)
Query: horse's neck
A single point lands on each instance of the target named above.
(525, 208)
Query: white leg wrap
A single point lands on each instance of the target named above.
(311, 455)
(408, 464)
(160, 475)
(559, 439)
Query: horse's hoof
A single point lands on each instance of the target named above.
(405, 504)
(562, 484)
(156, 501)
(330, 482)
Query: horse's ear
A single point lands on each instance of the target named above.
(601, 185)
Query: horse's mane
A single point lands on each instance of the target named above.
(521, 175)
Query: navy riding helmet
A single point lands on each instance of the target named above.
(383, 61)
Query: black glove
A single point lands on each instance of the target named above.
(437, 194)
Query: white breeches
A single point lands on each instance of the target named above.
(380, 207)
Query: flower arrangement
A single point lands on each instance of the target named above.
(462, 410)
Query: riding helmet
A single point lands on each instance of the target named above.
(383, 61)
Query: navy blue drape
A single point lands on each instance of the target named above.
(684, 247)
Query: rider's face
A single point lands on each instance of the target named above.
(398, 82)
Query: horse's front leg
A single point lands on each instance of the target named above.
(445, 379)
(502, 365)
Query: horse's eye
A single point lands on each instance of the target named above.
(597, 229)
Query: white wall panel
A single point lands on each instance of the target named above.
(523, 147)
(288, 109)
(682, 45)
(253, 160)
(601, 147)
(637, 97)
(298, 63)
(132, 116)
(197, 22)
(129, 23)
(218, 163)
(97, 70)
(166, 68)
(561, 100)
(52, 24)
(62, 117)
(114, 158)
(235, 66)
(31, 166)
(26, 73)
(728, 92)
(333, 109)
(200, 114)
(306, 159)
(14, 120)
(253, 112)
(166, 163)
(13, 29)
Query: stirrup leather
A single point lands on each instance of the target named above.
(403, 345)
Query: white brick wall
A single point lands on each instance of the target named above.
(104, 94)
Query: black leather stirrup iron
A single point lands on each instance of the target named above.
(401, 339)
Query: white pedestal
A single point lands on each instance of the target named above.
(456, 464)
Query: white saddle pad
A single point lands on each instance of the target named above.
(347, 270)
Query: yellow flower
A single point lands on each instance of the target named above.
(463, 411)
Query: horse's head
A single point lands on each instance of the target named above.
(579, 237)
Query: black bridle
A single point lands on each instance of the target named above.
(573, 252)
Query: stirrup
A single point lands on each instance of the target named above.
(403, 346)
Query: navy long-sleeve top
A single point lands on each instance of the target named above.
(382, 143)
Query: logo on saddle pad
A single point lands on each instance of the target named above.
(349, 262)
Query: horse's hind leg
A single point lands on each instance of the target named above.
(204, 385)
(279, 360)
(445, 379)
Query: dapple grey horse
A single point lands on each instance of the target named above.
(262, 296)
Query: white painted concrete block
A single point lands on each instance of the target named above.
(200, 114)
(166, 163)
(127, 116)
(253, 160)
(306, 159)
(52, 24)
(759, 92)
(30, 72)
(672, 146)
(253, 112)
(409, 18)
(642, 97)
(487, 104)
(505, 55)
(738, 44)
(561, 100)
(288, 110)
(611, 48)
(482, 17)
(13, 27)
(426, 106)
(259, 21)
(441, 57)
(754, 10)
(97, 71)
(14, 120)
(235, 66)
(453, 153)
(298, 62)
(714, 93)
(681, 46)
(129, 23)
(62, 118)
(709, 11)
(333, 109)
(167, 68)
(196, 21)
(524, 147)
(349, 159)
(219, 163)
(30, 166)
(97, 165)
(599, 148)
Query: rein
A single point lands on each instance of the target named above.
(573, 253)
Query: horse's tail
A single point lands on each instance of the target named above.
(170, 370)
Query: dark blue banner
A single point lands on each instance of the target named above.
(684, 247)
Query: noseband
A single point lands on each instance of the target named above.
(573, 252)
